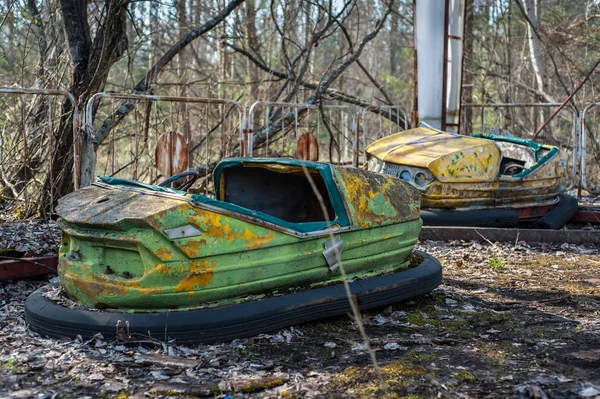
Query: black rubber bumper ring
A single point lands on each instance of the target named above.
(233, 321)
(560, 214)
(481, 218)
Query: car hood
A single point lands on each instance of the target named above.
(448, 156)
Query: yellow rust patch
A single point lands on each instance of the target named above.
(254, 241)
(164, 254)
(184, 208)
(361, 194)
(102, 286)
(192, 247)
(218, 227)
(163, 269)
(200, 274)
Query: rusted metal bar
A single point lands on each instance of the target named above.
(94, 100)
(144, 97)
(356, 156)
(583, 143)
(533, 212)
(510, 105)
(579, 86)
(587, 216)
(296, 107)
(536, 236)
(27, 267)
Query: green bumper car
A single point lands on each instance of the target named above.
(265, 254)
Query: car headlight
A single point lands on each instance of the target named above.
(406, 175)
(374, 164)
(418, 177)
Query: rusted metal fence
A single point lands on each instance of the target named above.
(279, 126)
(161, 134)
(589, 120)
(27, 143)
(520, 119)
(377, 122)
(342, 131)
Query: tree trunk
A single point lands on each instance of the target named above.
(393, 40)
(467, 75)
(91, 60)
(535, 53)
(182, 65)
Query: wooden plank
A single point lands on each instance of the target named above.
(27, 267)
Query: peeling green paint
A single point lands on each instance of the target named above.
(116, 253)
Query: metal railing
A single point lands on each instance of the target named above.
(329, 122)
(517, 126)
(583, 144)
(27, 141)
(127, 149)
(392, 119)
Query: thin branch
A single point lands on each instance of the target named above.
(539, 36)
(332, 93)
(7, 13)
(143, 85)
(323, 87)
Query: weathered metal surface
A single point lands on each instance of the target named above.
(116, 250)
(467, 170)
(449, 157)
(27, 267)
(171, 153)
(437, 233)
(533, 212)
(587, 216)
(307, 148)
(375, 199)
(430, 25)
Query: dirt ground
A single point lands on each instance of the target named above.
(508, 321)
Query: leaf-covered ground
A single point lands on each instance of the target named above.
(508, 321)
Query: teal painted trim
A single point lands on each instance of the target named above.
(117, 181)
(553, 151)
(536, 147)
(299, 227)
(324, 169)
(517, 140)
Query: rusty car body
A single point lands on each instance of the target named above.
(473, 173)
(275, 224)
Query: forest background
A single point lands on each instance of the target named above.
(345, 52)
